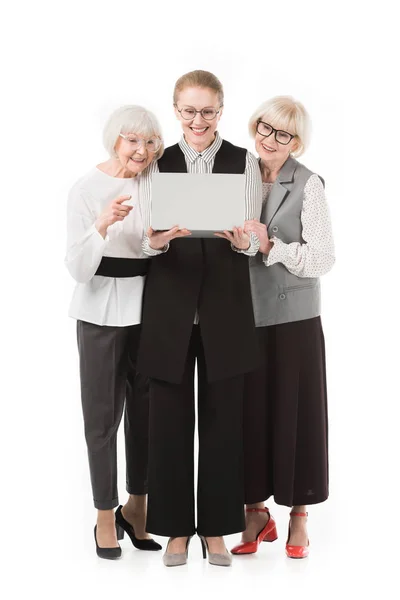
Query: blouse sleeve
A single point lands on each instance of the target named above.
(253, 197)
(85, 245)
(316, 255)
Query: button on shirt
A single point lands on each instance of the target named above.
(96, 299)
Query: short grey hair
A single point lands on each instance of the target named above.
(284, 112)
(131, 119)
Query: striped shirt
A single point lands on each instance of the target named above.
(203, 162)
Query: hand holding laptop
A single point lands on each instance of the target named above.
(159, 239)
(238, 238)
(261, 231)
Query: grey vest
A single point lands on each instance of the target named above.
(280, 296)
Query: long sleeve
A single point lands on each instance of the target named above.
(147, 249)
(146, 203)
(253, 198)
(316, 255)
(85, 245)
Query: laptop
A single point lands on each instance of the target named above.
(202, 203)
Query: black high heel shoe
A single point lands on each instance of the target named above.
(139, 544)
(110, 553)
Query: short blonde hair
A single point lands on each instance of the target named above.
(201, 79)
(131, 119)
(284, 112)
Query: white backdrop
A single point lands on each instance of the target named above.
(66, 66)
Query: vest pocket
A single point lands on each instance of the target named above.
(305, 286)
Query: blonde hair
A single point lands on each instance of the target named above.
(284, 112)
(131, 119)
(201, 79)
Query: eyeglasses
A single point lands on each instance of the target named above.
(282, 137)
(152, 144)
(189, 113)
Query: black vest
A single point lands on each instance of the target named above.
(204, 274)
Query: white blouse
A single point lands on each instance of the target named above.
(317, 255)
(97, 299)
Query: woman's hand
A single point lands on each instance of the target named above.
(237, 238)
(159, 239)
(115, 211)
(261, 232)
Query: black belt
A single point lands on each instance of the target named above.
(122, 267)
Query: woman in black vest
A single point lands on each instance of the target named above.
(197, 306)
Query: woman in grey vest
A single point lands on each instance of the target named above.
(285, 420)
(104, 256)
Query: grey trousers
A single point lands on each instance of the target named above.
(109, 382)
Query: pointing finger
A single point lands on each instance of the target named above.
(121, 199)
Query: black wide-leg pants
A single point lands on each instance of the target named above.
(220, 490)
(286, 417)
(109, 381)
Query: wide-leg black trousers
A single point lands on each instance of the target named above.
(286, 417)
(220, 487)
(109, 381)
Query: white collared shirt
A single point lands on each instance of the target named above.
(96, 299)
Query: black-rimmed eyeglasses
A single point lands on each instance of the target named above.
(188, 112)
(282, 137)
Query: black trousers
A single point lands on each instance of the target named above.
(220, 491)
(109, 382)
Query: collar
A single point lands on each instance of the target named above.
(207, 155)
(286, 174)
(287, 170)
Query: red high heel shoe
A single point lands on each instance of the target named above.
(267, 534)
(296, 551)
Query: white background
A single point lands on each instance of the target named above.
(65, 67)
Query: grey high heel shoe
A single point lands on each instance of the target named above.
(221, 560)
(175, 560)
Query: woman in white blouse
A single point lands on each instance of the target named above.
(104, 256)
(285, 420)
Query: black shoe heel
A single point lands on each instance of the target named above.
(109, 553)
(127, 527)
(120, 532)
(203, 547)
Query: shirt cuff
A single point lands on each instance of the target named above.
(147, 249)
(252, 249)
(93, 230)
(276, 254)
